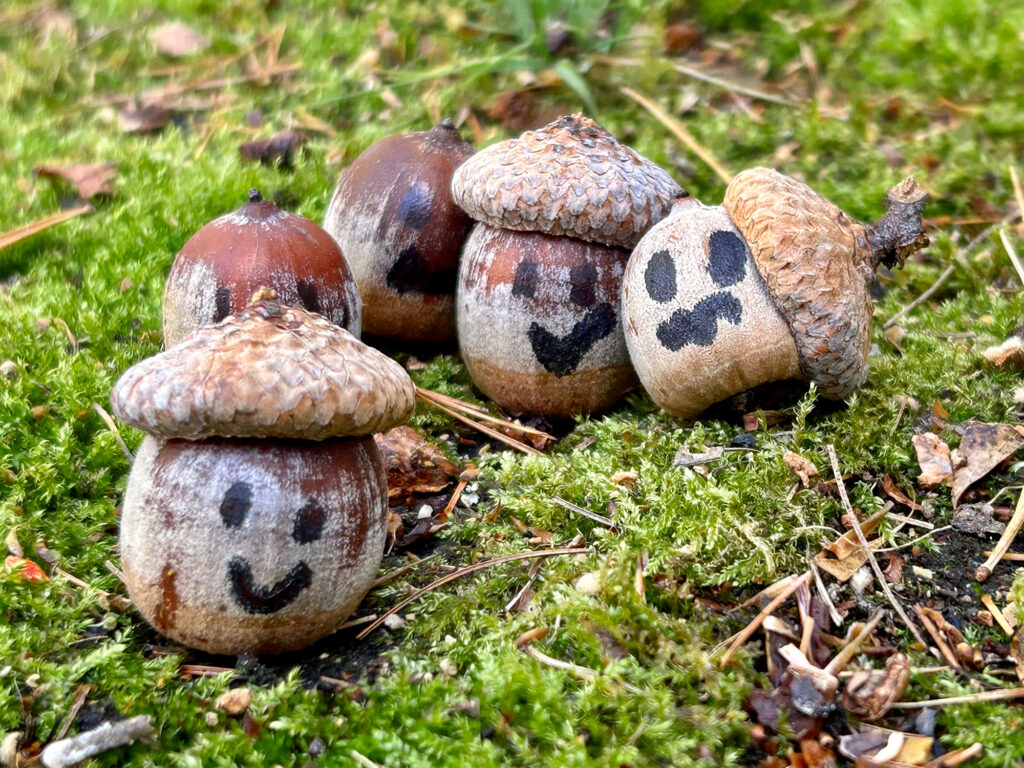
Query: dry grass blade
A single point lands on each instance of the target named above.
(116, 601)
(81, 693)
(746, 633)
(475, 411)
(999, 694)
(363, 760)
(499, 436)
(1013, 255)
(940, 641)
(605, 521)
(15, 235)
(732, 87)
(841, 487)
(112, 426)
(823, 594)
(583, 673)
(836, 665)
(1018, 193)
(447, 578)
(679, 132)
(1009, 534)
(189, 671)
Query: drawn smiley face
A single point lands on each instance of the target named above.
(697, 316)
(256, 545)
(538, 321)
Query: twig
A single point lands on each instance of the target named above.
(841, 487)
(746, 633)
(189, 671)
(999, 694)
(846, 673)
(1013, 255)
(502, 438)
(115, 601)
(940, 641)
(680, 133)
(605, 521)
(732, 87)
(530, 579)
(69, 752)
(117, 572)
(76, 705)
(998, 615)
(955, 758)
(583, 673)
(112, 426)
(447, 578)
(1013, 557)
(837, 664)
(15, 235)
(1009, 533)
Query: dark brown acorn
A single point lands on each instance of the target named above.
(222, 265)
(394, 218)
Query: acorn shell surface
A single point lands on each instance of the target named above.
(393, 216)
(538, 321)
(222, 265)
(814, 259)
(569, 178)
(257, 546)
(699, 322)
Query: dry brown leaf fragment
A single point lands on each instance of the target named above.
(235, 701)
(934, 458)
(680, 37)
(870, 693)
(177, 39)
(626, 478)
(1009, 354)
(801, 467)
(413, 465)
(89, 180)
(278, 150)
(983, 448)
(147, 119)
(893, 492)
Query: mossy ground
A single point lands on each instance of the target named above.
(926, 88)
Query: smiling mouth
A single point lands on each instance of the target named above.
(256, 598)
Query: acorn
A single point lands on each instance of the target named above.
(255, 514)
(222, 265)
(393, 216)
(771, 285)
(537, 298)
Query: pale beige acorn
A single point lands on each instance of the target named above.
(771, 285)
(256, 510)
(537, 297)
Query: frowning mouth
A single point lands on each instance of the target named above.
(256, 598)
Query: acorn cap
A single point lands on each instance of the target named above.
(270, 371)
(819, 263)
(569, 178)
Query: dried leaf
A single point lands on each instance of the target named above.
(177, 39)
(894, 493)
(147, 119)
(895, 335)
(870, 693)
(680, 37)
(515, 110)
(89, 180)
(801, 467)
(1009, 354)
(894, 570)
(26, 570)
(627, 479)
(413, 464)
(278, 150)
(983, 448)
(934, 458)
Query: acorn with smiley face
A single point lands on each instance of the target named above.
(537, 302)
(256, 510)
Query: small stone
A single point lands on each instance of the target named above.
(448, 668)
(8, 370)
(38, 411)
(235, 701)
(211, 719)
(589, 583)
(394, 621)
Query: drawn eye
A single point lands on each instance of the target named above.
(309, 522)
(235, 504)
(727, 258)
(525, 282)
(583, 278)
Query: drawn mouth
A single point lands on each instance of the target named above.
(256, 598)
(561, 354)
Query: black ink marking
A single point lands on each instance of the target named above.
(727, 258)
(699, 325)
(660, 277)
(223, 301)
(411, 274)
(525, 282)
(560, 356)
(309, 522)
(256, 598)
(308, 295)
(414, 207)
(235, 504)
(583, 278)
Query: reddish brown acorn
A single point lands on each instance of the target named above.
(222, 265)
(256, 510)
(394, 218)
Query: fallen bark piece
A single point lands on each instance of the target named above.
(983, 448)
(108, 736)
(934, 458)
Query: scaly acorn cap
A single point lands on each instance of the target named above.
(269, 371)
(819, 263)
(569, 178)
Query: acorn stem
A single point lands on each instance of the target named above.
(255, 196)
(899, 233)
